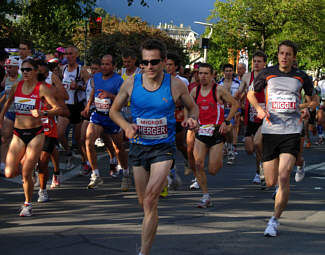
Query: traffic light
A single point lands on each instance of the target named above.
(95, 25)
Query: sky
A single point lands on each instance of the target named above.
(179, 11)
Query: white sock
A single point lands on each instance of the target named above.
(126, 172)
(113, 161)
(206, 195)
(96, 172)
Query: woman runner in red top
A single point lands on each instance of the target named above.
(28, 139)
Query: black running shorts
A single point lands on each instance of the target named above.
(274, 145)
(145, 155)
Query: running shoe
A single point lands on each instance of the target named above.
(164, 192)
(195, 185)
(85, 170)
(300, 173)
(99, 142)
(205, 202)
(272, 228)
(26, 211)
(308, 145)
(257, 179)
(320, 140)
(95, 181)
(55, 181)
(231, 158)
(125, 183)
(42, 196)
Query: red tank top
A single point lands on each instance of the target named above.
(250, 111)
(24, 103)
(210, 112)
(49, 123)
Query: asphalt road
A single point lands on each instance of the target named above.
(107, 221)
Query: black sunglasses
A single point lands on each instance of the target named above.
(27, 69)
(153, 62)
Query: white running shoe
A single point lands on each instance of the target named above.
(300, 173)
(195, 185)
(95, 181)
(272, 228)
(26, 211)
(55, 181)
(257, 179)
(231, 158)
(42, 196)
(205, 202)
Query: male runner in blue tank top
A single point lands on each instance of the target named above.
(106, 85)
(282, 123)
(152, 131)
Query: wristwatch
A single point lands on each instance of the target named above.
(227, 122)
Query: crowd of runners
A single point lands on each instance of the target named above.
(152, 103)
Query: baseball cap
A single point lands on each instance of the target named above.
(12, 61)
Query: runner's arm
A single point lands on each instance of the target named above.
(58, 84)
(227, 97)
(120, 100)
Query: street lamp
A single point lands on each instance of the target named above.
(205, 41)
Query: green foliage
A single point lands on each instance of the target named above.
(262, 24)
(119, 34)
(47, 23)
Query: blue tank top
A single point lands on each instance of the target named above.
(153, 112)
(111, 85)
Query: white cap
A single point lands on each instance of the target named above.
(12, 61)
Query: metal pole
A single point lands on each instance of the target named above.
(205, 54)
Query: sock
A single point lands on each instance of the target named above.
(206, 195)
(27, 204)
(126, 172)
(96, 172)
(113, 161)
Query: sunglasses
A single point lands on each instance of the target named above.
(27, 69)
(153, 62)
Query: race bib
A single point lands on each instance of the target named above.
(24, 105)
(206, 130)
(284, 103)
(152, 128)
(103, 104)
(45, 121)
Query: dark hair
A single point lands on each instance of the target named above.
(260, 53)
(27, 43)
(95, 61)
(129, 53)
(32, 62)
(106, 55)
(154, 44)
(175, 58)
(42, 63)
(3, 55)
(227, 66)
(291, 44)
(207, 66)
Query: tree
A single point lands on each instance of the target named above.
(118, 34)
(262, 24)
(47, 23)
